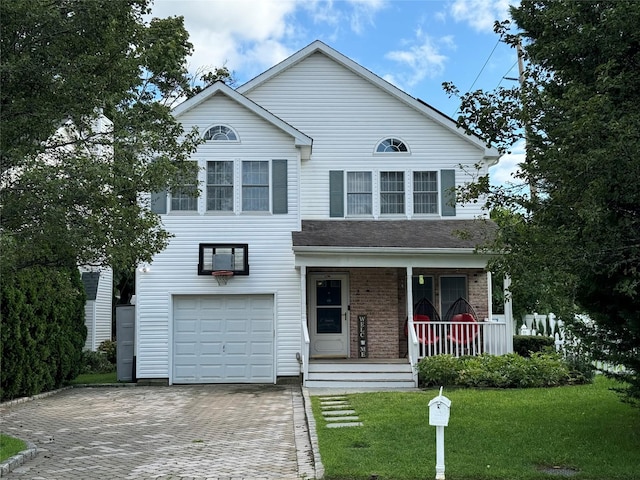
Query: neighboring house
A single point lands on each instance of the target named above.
(328, 193)
(98, 285)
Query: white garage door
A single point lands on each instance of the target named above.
(223, 339)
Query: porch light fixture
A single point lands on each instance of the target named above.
(421, 279)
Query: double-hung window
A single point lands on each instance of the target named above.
(359, 193)
(391, 193)
(184, 196)
(425, 192)
(220, 186)
(255, 186)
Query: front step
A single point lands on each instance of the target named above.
(383, 374)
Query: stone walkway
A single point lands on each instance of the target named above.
(179, 432)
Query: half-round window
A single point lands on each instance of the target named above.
(391, 145)
(221, 133)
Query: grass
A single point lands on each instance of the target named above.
(9, 446)
(492, 435)
(95, 378)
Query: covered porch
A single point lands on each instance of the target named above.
(359, 294)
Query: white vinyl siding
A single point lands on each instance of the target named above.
(98, 312)
(174, 271)
(333, 106)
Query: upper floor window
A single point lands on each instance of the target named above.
(185, 195)
(391, 145)
(255, 186)
(391, 192)
(359, 193)
(221, 133)
(425, 192)
(220, 186)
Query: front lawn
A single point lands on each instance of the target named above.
(510, 434)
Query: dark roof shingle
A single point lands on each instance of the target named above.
(395, 233)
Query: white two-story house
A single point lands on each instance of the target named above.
(326, 214)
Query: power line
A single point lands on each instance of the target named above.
(481, 70)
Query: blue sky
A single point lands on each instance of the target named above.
(414, 44)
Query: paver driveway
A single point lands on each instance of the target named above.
(204, 431)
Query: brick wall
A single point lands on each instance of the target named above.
(373, 292)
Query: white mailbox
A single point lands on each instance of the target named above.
(439, 409)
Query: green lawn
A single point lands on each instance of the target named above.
(9, 446)
(95, 378)
(492, 435)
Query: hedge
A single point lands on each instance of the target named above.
(42, 329)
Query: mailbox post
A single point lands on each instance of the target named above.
(439, 408)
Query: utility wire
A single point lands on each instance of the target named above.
(481, 70)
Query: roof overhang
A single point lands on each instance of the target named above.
(337, 257)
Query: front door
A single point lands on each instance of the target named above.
(329, 315)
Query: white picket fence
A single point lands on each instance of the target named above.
(549, 325)
(545, 325)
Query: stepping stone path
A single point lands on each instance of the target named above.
(338, 412)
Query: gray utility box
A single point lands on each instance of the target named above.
(126, 340)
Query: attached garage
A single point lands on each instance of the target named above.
(223, 339)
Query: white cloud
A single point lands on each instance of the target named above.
(423, 58)
(219, 29)
(480, 14)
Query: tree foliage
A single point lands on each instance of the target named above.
(70, 190)
(578, 234)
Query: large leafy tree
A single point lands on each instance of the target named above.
(69, 190)
(576, 234)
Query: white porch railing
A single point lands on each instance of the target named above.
(462, 338)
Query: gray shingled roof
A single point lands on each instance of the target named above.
(394, 233)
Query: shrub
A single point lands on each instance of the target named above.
(108, 347)
(96, 362)
(493, 371)
(441, 370)
(43, 331)
(526, 344)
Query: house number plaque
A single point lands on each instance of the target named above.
(362, 336)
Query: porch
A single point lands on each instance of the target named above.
(426, 339)
(361, 282)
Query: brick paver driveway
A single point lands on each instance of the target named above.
(210, 431)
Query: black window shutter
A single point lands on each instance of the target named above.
(159, 202)
(279, 191)
(336, 193)
(447, 193)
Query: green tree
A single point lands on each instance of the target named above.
(578, 106)
(69, 190)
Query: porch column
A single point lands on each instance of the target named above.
(489, 296)
(409, 292)
(508, 312)
(304, 343)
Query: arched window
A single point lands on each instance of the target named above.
(221, 133)
(391, 145)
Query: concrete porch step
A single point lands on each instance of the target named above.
(360, 373)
